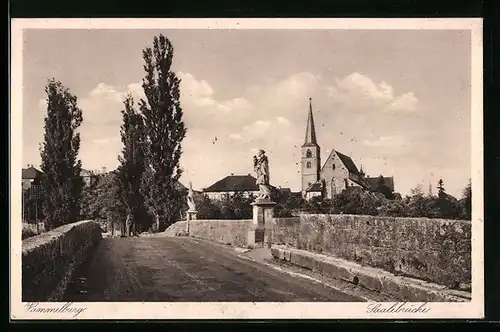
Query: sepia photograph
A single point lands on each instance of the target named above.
(246, 168)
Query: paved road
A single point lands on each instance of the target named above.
(168, 269)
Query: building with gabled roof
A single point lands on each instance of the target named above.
(338, 172)
(30, 176)
(231, 184)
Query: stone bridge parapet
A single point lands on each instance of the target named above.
(49, 259)
(434, 250)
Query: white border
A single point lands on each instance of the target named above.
(244, 310)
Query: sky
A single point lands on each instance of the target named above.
(397, 101)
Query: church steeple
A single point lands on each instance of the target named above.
(310, 139)
(311, 155)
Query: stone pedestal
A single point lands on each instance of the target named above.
(263, 212)
(190, 215)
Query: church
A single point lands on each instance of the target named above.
(337, 173)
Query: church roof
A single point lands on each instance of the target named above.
(373, 182)
(234, 183)
(348, 163)
(310, 139)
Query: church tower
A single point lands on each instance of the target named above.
(310, 153)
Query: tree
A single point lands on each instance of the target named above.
(103, 202)
(466, 203)
(418, 204)
(206, 208)
(60, 165)
(131, 168)
(383, 188)
(440, 188)
(165, 130)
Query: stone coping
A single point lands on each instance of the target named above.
(407, 289)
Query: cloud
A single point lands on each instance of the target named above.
(255, 130)
(387, 142)
(357, 91)
(270, 117)
(194, 88)
(283, 120)
(235, 136)
(406, 102)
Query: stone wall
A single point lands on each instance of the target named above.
(434, 250)
(234, 232)
(49, 259)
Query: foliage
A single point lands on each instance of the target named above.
(465, 203)
(206, 208)
(103, 203)
(131, 168)
(164, 130)
(383, 188)
(441, 190)
(286, 203)
(358, 201)
(235, 207)
(27, 232)
(61, 168)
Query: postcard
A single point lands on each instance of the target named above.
(246, 169)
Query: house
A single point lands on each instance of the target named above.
(231, 184)
(339, 171)
(30, 176)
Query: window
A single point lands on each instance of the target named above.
(308, 164)
(309, 154)
(333, 166)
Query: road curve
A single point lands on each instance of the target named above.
(169, 269)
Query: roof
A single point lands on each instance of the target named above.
(234, 183)
(30, 173)
(388, 181)
(316, 187)
(348, 163)
(310, 139)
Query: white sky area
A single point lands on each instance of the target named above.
(397, 102)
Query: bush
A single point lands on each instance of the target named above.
(357, 201)
(395, 208)
(27, 232)
(234, 207)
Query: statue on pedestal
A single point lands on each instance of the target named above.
(261, 167)
(190, 199)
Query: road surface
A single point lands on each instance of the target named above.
(170, 269)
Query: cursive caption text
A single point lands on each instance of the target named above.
(66, 308)
(401, 307)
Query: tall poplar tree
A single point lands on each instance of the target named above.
(61, 181)
(165, 130)
(131, 168)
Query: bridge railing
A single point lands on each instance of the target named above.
(49, 259)
(434, 250)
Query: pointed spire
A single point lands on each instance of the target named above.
(310, 130)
